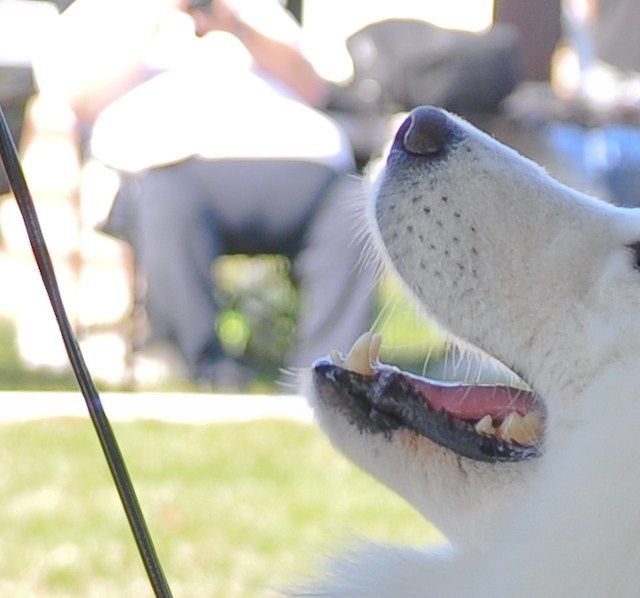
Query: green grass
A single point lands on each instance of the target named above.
(234, 509)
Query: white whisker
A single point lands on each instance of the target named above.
(290, 378)
(466, 376)
(386, 312)
(425, 365)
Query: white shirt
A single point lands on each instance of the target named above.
(210, 101)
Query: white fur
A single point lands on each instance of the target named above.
(540, 277)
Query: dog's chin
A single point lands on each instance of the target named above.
(461, 455)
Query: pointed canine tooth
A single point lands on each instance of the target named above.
(358, 358)
(518, 428)
(485, 426)
(374, 348)
(336, 358)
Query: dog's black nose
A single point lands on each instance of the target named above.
(425, 132)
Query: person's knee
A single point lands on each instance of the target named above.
(168, 204)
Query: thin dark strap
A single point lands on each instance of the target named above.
(94, 405)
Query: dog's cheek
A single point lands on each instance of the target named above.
(613, 305)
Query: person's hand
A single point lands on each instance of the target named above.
(219, 17)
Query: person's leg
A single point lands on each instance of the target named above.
(337, 282)
(264, 205)
(189, 213)
(287, 199)
(177, 238)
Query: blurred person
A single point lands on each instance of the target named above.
(615, 25)
(607, 80)
(221, 149)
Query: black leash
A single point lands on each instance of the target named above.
(89, 392)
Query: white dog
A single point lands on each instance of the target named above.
(538, 490)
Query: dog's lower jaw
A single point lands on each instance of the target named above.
(465, 499)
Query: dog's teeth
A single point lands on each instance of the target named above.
(336, 358)
(359, 360)
(532, 422)
(511, 427)
(524, 430)
(374, 348)
(485, 426)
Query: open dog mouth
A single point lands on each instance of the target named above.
(491, 423)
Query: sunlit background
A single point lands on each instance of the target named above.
(330, 22)
(96, 272)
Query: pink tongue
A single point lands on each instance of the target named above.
(473, 402)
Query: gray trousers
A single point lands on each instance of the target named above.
(179, 218)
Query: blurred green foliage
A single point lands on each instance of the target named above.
(259, 309)
(409, 338)
(260, 305)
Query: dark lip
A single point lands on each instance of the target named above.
(386, 402)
